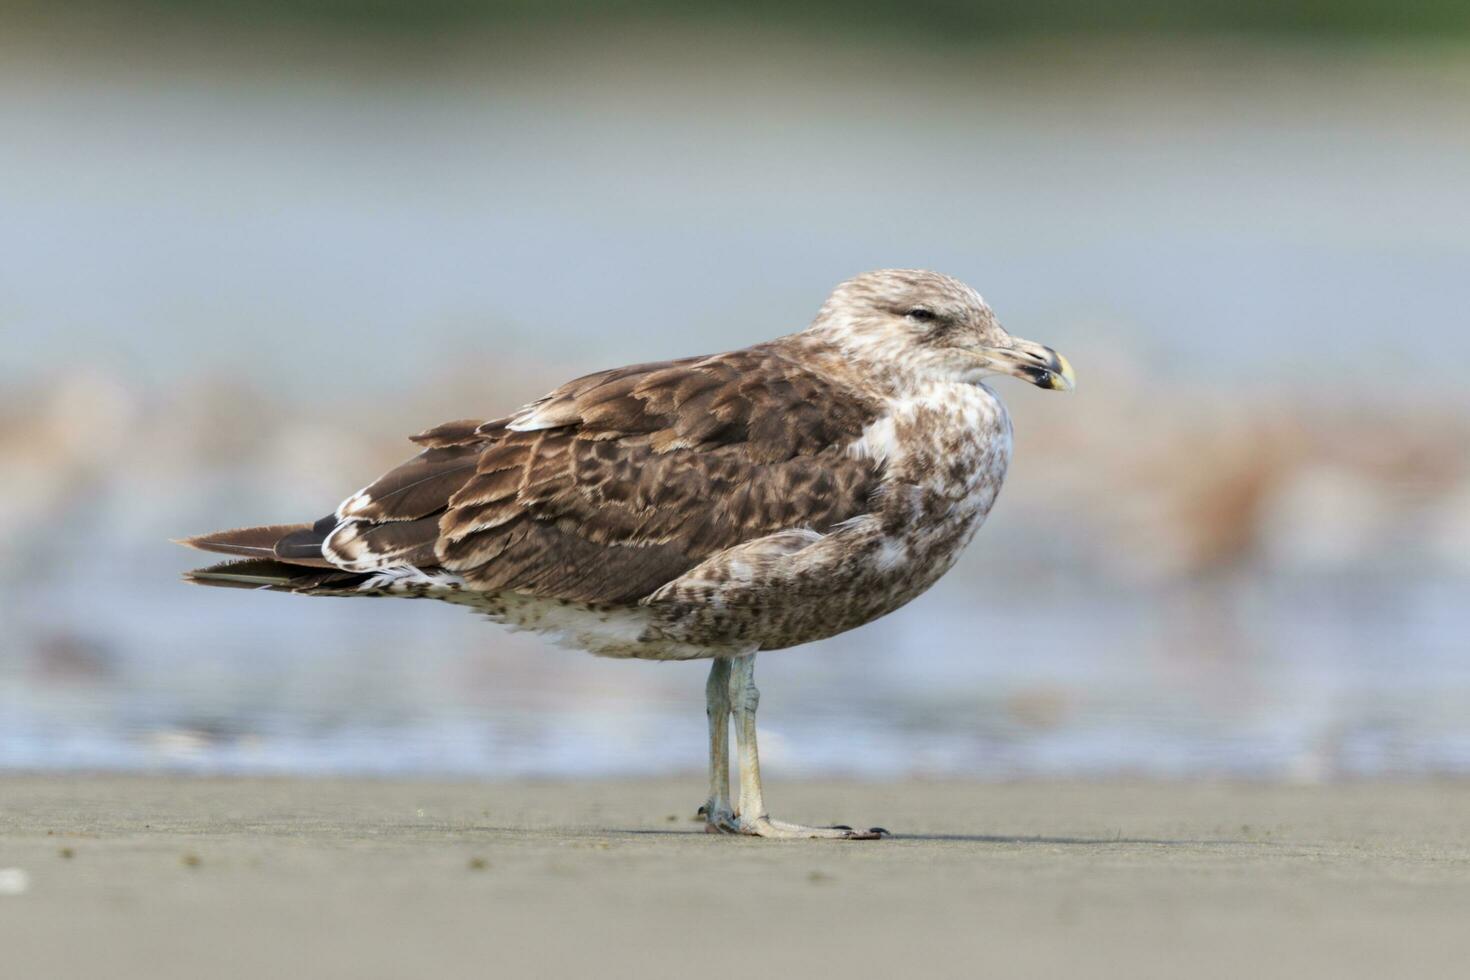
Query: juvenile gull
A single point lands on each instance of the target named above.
(704, 508)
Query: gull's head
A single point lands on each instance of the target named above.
(934, 327)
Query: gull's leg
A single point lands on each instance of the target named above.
(753, 819)
(718, 817)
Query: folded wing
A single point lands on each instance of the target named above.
(610, 486)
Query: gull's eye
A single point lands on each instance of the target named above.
(921, 314)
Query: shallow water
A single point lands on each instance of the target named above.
(977, 678)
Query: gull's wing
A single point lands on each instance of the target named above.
(616, 483)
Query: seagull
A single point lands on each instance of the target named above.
(707, 508)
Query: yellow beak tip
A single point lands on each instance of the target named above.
(1066, 378)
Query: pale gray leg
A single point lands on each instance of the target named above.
(718, 817)
(753, 818)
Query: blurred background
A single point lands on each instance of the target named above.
(247, 246)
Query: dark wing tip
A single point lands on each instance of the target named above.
(274, 576)
(252, 573)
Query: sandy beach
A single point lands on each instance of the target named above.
(171, 877)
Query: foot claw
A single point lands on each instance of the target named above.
(719, 820)
(872, 833)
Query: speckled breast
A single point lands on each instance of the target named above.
(945, 454)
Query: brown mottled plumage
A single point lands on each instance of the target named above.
(705, 507)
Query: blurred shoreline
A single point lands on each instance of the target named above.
(1242, 589)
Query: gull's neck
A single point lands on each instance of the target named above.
(852, 359)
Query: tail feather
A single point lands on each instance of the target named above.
(296, 544)
(275, 576)
(303, 546)
(288, 558)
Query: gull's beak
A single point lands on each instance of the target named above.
(1059, 374)
(1036, 363)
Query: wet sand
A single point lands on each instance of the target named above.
(171, 877)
